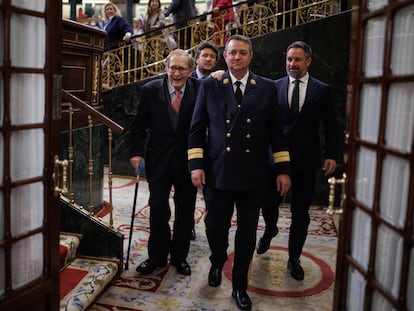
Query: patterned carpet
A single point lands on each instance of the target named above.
(270, 287)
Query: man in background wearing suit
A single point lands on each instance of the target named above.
(301, 126)
(164, 115)
(234, 121)
(206, 58)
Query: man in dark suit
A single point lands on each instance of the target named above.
(315, 106)
(160, 131)
(234, 121)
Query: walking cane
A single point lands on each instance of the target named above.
(141, 166)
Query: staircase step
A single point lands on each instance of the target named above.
(69, 244)
(83, 280)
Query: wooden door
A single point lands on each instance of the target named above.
(375, 269)
(30, 48)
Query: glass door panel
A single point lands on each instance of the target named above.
(28, 33)
(402, 56)
(370, 108)
(387, 269)
(395, 181)
(365, 176)
(356, 292)
(23, 218)
(27, 107)
(22, 144)
(374, 40)
(379, 303)
(34, 5)
(400, 117)
(27, 264)
(361, 237)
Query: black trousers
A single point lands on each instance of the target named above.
(161, 242)
(270, 207)
(220, 206)
(303, 185)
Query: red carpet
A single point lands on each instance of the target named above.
(270, 285)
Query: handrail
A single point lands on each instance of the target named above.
(145, 56)
(112, 127)
(115, 127)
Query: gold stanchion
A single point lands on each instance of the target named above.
(332, 184)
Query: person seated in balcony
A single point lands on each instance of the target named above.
(81, 15)
(154, 18)
(116, 27)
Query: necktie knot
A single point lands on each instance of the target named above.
(177, 101)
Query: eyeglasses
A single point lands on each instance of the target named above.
(179, 69)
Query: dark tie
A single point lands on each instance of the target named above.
(239, 94)
(177, 101)
(294, 105)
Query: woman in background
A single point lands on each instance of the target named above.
(116, 27)
(154, 18)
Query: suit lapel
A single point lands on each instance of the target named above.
(309, 93)
(250, 93)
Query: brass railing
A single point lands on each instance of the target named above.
(97, 117)
(144, 58)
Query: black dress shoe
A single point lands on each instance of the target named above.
(149, 266)
(182, 268)
(296, 270)
(264, 242)
(193, 235)
(214, 277)
(242, 300)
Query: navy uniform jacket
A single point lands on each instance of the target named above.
(232, 145)
(115, 31)
(167, 132)
(303, 133)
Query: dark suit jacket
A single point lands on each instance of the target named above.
(303, 133)
(115, 31)
(181, 10)
(157, 132)
(234, 152)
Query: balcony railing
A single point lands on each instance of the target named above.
(144, 58)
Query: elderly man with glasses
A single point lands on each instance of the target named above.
(158, 136)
